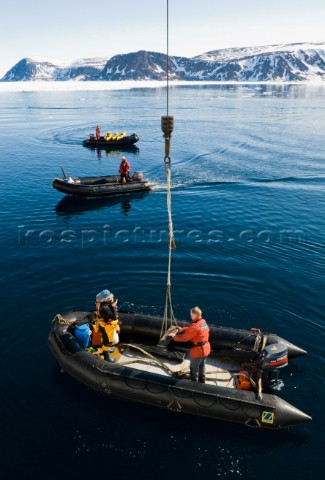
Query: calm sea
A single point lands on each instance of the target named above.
(248, 182)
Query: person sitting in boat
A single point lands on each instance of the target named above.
(197, 333)
(124, 170)
(97, 133)
(107, 324)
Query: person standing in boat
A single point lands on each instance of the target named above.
(107, 324)
(97, 133)
(124, 170)
(197, 333)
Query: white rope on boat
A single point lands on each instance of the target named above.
(167, 126)
(169, 317)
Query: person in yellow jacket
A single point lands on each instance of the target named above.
(107, 324)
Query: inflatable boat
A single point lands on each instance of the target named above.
(155, 371)
(113, 141)
(100, 186)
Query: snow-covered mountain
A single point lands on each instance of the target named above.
(47, 69)
(141, 65)
(293, 62)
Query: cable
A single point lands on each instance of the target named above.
(167, 126)
(167, 57)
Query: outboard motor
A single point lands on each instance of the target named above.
(137, 176)
(269, 361)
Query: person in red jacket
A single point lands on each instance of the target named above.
(197, 333)
(97, 133)
(124, 170)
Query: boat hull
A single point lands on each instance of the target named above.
(168, 392)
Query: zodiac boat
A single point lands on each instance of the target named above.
(154, 371)
(100, 186)
(111, 141)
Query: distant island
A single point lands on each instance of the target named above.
(292, 62)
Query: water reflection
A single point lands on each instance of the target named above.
(71, 205)
(114, 151)
(282, 90)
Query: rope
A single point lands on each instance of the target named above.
(62, 321)
(167, 56)
(153, 359)
(167, 126)
(171, 246)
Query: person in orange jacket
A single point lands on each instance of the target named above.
(124, 170)
(97, 133)
(197, 333)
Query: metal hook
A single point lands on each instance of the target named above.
(167, 162)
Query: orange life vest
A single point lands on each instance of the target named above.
(198, 334)
(242, 381)
(124, 168)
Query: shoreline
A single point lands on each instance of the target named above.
(66, 86)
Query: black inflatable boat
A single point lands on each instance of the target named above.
(152, 372)
(118, 142)
(100, 186)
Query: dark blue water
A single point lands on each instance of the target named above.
(248, 208)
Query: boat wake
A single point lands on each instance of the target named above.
(300, 180)
(69, 135)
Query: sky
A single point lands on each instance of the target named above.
(73, 29)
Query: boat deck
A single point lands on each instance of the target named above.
(218, 372)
